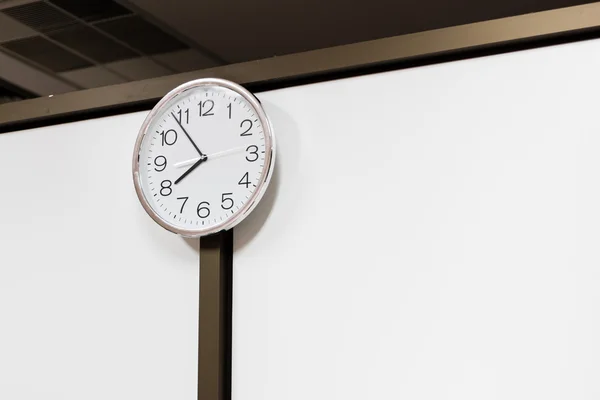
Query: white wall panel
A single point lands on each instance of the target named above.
(430, 233)
(96, 301)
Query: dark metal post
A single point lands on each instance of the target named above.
(214, 329)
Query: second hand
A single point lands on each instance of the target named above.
(210, 156)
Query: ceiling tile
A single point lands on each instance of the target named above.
(32, 79)
(92, 10)
(185, 60)
(40, 16)
(11, 29)
(141, 35)
(46, 53)
(92, 44)
(13, 3)
(139, 68)
(92, 77)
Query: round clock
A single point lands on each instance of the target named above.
(203, 157)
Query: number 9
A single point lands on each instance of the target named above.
(160, 161)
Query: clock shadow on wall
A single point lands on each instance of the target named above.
(287, 134)
(248, 228)
(288, 137)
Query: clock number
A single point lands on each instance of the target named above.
(245, 180)
(203, 211)
(229, 106)
(165, 188)
(185, 199)
(206, 104)
(245, 133)
(160, 162)
(187, 116)
(169, 137)
(224, 199)
(255, 152)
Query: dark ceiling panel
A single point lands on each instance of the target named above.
(265, 28)
(10, 92)
(47, 54)
(40, 16)
(141, 35)
(92, 44)
(92, 10)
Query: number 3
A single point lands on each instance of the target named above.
(254, 152)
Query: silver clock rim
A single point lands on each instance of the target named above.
(241, 214)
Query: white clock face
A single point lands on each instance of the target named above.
(203, 158)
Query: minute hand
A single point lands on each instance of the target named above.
(186, 134)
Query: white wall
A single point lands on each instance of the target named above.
(96, 300)
(430, 233)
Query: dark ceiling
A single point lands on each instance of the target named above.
(246, 30)
(56, 46)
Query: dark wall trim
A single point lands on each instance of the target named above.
(533, 30)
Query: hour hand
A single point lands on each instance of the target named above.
(186, 134)
(193, 167)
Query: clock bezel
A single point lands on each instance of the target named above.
(262, 185)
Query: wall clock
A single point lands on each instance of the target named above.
(203, 157)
